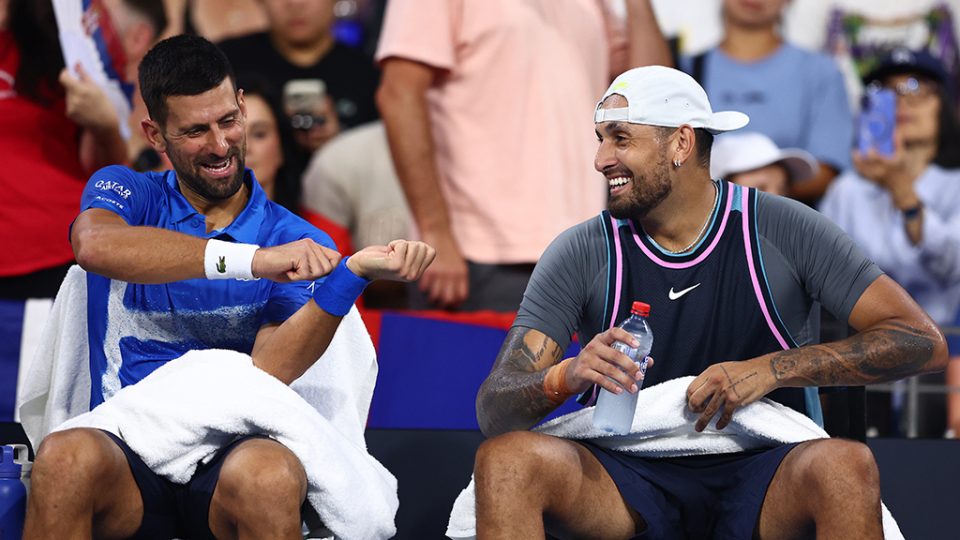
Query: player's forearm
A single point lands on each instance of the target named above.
(294, 346)
(512, 398)
(890, 351)
(145, 255)
(407, 123)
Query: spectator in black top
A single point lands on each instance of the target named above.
(300, 45)
(271, 152)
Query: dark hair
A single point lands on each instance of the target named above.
(948, 143)
(182, 65)
(153, 11)
(704, 143)
(286, 186)
(34, 29)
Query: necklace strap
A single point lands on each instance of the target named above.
(703, 228)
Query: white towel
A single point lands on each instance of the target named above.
(323, 425)
(57, 384)
(664, 427)
(182, 413)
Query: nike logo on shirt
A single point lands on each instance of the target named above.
(674, 295)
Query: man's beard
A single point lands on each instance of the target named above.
(190, 173)
(646, 191)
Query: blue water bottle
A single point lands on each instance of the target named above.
(13, 496)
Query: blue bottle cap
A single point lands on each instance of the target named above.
(8, 468)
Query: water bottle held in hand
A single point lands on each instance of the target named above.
(614, 412)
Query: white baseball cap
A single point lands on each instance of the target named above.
(740, 152)
(662, 96)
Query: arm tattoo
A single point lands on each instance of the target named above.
(512, 397)
(891, 351)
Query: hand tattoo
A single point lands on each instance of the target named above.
(733, 384)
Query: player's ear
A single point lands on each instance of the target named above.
(153, 132)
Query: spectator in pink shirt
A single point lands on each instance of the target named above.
(482, 102)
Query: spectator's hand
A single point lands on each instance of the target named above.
(727, 386)
(296, 261)
(318, 135)
(889, 173)
(401, 260)
(599, 362)
(446, 282)
(86, 103)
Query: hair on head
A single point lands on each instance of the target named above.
(183, 65)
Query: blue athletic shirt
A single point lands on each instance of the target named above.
(134, 329)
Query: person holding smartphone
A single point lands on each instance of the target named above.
(904, 208)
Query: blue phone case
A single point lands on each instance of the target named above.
(877, 121)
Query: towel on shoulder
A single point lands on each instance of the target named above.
(184, 411)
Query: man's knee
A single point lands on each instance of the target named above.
(263, 470)
(75, 457)
(838, 468)
(521, 459)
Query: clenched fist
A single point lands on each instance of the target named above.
(400, 260)
(295, 261)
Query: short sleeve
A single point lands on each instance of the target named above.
(420, 30)
(559, 291)
(830, 266)
(122, 191)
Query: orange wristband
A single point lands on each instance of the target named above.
(555, 382)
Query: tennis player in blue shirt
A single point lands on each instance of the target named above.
(196, 258)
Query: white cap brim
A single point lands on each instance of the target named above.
(726, 121)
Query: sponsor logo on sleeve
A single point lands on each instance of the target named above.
(109, 201)
(110, 185)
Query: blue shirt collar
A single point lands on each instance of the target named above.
(245, 228)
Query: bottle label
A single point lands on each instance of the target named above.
(632, 353)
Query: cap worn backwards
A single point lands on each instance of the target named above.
(662, 96)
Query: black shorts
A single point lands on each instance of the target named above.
(176, 510)
(695, 497)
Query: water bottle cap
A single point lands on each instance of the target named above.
(8, 468)
(640, 308)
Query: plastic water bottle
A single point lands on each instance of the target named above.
(13, 496)
(614, 412)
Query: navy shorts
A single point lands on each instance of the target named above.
(695, 497)
(176, 510)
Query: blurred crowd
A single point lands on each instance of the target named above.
(460, 122)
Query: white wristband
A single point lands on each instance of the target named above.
(228, 260)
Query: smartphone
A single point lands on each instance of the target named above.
(303, 101)
(877, 121)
